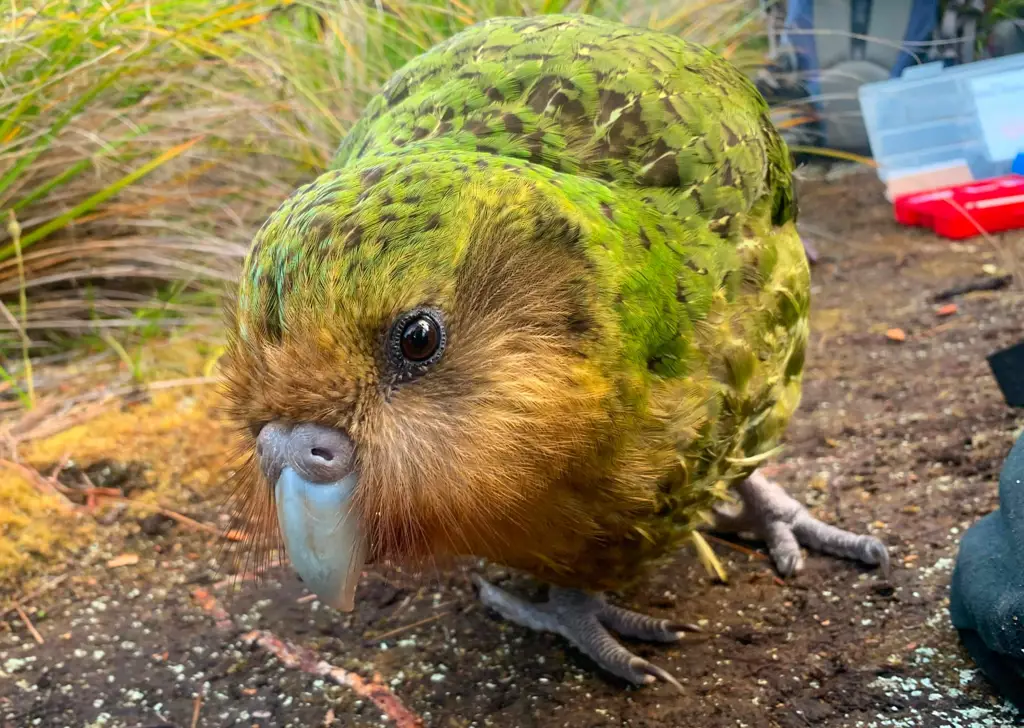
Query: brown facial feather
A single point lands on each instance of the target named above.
(510, 448)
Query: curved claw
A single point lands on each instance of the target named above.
(875, 552)
(651, 673)
(582, 618)
(784, 547)
(686, 627)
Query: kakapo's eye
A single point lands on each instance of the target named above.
(418, 339)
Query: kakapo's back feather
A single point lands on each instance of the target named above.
(592, 98)
(651, 160)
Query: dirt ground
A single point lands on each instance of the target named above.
(904, 439)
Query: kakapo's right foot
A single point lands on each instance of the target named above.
(786, 525)
(584, 620)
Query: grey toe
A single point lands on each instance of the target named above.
(583, 619)
(640, 626)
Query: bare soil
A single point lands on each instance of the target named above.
(904, 439)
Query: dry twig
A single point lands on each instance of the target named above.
(306, 660)
(302, 658)
(46, 486)
(735, 546)
(407, 627)
(28, 624)
(48, 586)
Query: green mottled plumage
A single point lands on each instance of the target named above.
(650, 160)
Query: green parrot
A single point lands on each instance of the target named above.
(547, 308)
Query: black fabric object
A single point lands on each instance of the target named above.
(986, 601)
(1005, 673)
(1007, 367)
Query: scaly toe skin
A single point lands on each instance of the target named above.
(832, 540)
(786, 525)
(641, 626)
(514, 609)
(581, 619)
(784, 547)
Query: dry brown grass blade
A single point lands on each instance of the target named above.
(46, 486)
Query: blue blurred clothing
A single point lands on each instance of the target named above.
(798, 31)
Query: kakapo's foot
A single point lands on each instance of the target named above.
(770, 513)
(584, 619)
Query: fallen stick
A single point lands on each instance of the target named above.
(175, 516)
(406, 627)
(18, 601)
(988, 283)
(28, 624)
(736, 547)
(303, 658)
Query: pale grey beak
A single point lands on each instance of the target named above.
(312, 470)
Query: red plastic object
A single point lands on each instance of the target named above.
(957, 212)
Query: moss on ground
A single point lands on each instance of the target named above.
(177, 435)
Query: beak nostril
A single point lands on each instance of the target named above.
(322, 453)
(318, 453)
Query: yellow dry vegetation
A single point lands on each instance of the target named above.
(35, 530)
(178, 434)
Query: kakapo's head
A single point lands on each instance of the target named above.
(417, 365)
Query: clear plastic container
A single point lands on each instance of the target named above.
(933, 115)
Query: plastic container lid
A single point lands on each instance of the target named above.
(934, 114)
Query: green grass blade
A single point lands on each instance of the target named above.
(98, 198)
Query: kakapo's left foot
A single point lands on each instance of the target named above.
(770, 513)
(584, 619)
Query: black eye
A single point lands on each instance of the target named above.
(418, 339)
